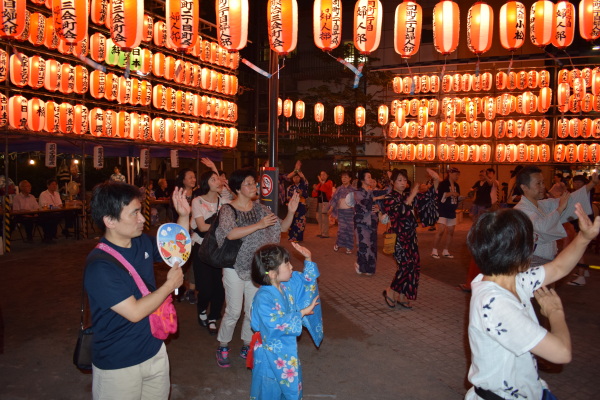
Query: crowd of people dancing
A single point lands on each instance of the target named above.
(511, 224)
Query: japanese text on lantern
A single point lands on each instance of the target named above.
(411, 27)
(9, 17)
(223, 21)
(182, 23)
(118, 21)
(276, 24)
(366, 21)
(520, 25)
(564, 19)
(66, 11)
(333, 15)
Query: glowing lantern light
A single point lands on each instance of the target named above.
(37, 72)
(319, 112)
(81, 79)
(571, 153)
(98, 47)
(36, 114)
(382, 114)
(407, 30)
(392, 151)
(338, 115)
(80, 119)
(564, 91)
(37, 29)
(593, 153)
(540, 25)
(19, 69)
(512, 25)
(589, 19)
(400, 116)
(368, 15)
(99, 11)
(159, 34)
(327, 24)
(70, 19)
(443, 152)
(97, 84)
(563, 25)
(282, 25)
(65, 118)
(66, 84)
(127, 22)
(360, 116)
(232, 23)
(17, 112)
(182, 24)
(13, 18)
(446, 26)
(96, 120)
(300, 108)
(50, 38)
(480, 26)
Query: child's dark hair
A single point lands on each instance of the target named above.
(268, 258)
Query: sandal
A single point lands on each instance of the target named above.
(335, 247)
(448, 255)
(388, 300)
(405, 304)
(348, 251)
(435, 255)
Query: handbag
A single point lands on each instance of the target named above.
(163, 321)
(211, 253)
(82, 356)
(389, 242)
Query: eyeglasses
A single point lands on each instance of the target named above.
(250, 184)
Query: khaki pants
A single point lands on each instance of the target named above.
(323, 218)
(148, 380)
(238, 294)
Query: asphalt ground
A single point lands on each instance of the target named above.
(369, 351)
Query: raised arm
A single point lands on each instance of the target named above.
(566, 260)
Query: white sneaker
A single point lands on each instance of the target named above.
(579, 281)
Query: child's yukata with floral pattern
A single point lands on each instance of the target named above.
(277, 373)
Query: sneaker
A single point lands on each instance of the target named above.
(244, 351)
(190, 296)
(579, 281)
(223, 357)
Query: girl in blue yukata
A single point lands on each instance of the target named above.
(284, 303)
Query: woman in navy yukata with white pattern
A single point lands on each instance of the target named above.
(504, 333)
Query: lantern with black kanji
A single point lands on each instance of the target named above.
(282, 25)
(368, 15)
(232, 23)
(407, 30)
(327, 24)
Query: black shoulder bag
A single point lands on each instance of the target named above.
(215, 256)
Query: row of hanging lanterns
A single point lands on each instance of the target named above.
(521, 152)
(576, 127)
(168, 67)
(38, 115)
(180, 102)
(67, 29)
(510, 129)
(549, 24)
(572, 153)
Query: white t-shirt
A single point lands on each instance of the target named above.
(502, 331)
(203, 208)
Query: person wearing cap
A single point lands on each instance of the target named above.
(447, 194)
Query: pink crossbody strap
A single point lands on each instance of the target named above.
(136, 277)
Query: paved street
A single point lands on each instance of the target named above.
(369, 350)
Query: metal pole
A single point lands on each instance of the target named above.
(273, 95)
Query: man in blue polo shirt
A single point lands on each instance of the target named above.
(128, 362)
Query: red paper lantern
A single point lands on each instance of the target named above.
(37, 29)
(70, 19)
(327, 24)
(111, 86)
(540, 25)
(480, 27)
(563, 25)
(571, 153)
(17, 112)
(512, 25)
(170, 67)
(126, 23)
(232, 23)
(382, 114)
(360, 116)
(392, 151)
(19, 69)
(80, 119)
(159, 34)
(446, 25)
(443, 152)
(319, 112)
(65, 118)
(37, 72)
(434, 81)
(282, 25)
(338, 115)
(407, 29)
(81, 79)
(300, 109)
(368, 16)
(50, 38)
(96, 121)
(98, 47)
(593, 153)
(99, 11)
(66, 84)
(13, 18)
(182, 23)
(564, 91)
(589, 19)
(36, 114)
